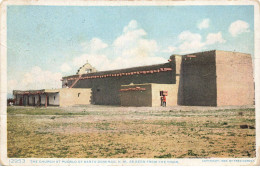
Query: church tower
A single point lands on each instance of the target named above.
(86, 68)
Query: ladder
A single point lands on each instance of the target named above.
(75, 81)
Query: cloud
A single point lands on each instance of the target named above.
(12, 84)
(213, 38)
(65, 67)
(96, 44)
(204, 24)
(99, 61)
(238, 27)
(170, 49)
(192, 42)
(131, 26)
(36, 79)
(130, 36)
(131, 48)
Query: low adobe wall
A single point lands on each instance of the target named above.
(70, 97)
(136, 95)
(148, 95)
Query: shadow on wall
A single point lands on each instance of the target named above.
(197, 86)
(92, 100)
(180, 98)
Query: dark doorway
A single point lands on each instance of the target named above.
(33, 101)
(20, 102)
(24, 101)
(40, 100)
(48, 103)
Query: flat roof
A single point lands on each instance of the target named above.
(41, 91)
(36, 91)
(213, 51)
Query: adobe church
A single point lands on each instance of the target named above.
(211, 78)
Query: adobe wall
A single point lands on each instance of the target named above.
(171, 99)
(54, 99)
(24, 99)
(31, 99)
(197, 85)
(106, 90)
(43, 98)
(235, 84)
(136, 98)
(36, 99)
(70, 97)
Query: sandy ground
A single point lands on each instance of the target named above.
(129, 132)
(105, 108)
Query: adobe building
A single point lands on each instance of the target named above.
(211, 78)
(52, 97)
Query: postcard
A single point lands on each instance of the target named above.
(129, 83)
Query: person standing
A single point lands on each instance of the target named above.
(164, 101)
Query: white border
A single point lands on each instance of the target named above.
(183, 161)
(128, 3)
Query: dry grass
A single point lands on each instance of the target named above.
(129, 133)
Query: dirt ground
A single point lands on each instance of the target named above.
(130, 132)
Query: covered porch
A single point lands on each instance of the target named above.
(45, 97)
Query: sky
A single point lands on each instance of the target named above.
(45, 43)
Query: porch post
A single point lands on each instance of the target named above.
(46, 99)
(28, 99)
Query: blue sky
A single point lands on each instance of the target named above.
(53, 41)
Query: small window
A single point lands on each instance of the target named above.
(88, 71)
(78, 94)
(54, 97)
